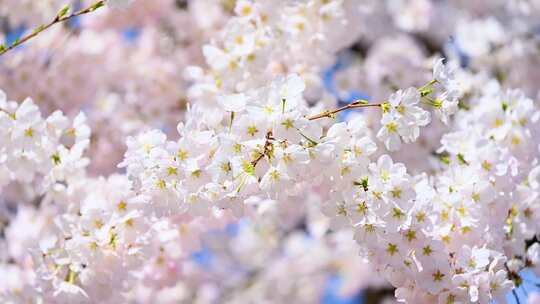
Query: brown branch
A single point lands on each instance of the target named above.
(60, 17)
(425, 91)
(266, 150)
(352, 105)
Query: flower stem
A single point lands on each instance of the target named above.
(355, 104)
(60, 17)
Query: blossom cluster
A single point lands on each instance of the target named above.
(217, 151)
(49, 150)
(265, 40)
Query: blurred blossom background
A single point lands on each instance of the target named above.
(140, 68)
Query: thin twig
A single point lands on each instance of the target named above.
(352, 105)
(60, 17)
(516, 296)
(267, 149)
(425, 91)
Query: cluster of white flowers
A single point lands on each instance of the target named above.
(31, 147)
(261, 142)
(402, 116)
(427, 235)
(266, 39)
(93, 247)
(262, 150)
